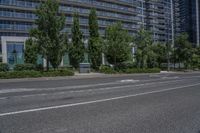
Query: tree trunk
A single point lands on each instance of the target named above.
(115, 60)
(47, 64)
(174, 56)
(168, 62)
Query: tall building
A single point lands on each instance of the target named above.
(17, 18)
(158, 19)
(186, 14)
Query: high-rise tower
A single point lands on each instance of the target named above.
(186, 15)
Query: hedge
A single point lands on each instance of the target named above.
(4, 67)
(107, 70)
(24, 67)
(110, 70)
(139, 70)
(34, 74)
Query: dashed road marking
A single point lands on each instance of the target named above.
(129, 81)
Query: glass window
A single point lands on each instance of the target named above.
(15, 53)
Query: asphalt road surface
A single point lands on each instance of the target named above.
(151, 103)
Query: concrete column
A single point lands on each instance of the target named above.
(44, 63)
(62, 63)
(4, 50)
(103, 59)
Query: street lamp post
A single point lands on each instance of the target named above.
(197, 21)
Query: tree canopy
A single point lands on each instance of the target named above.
(117, 44)
(49, 38)
(183, 49)
(77, 47)
(95, 42)
(143, 41)
(31, 51)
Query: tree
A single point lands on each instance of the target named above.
(168, 51)
(143, 41)
(195, 62)
(117, 44)
(160, 50)
(93, 24)
(31, 51)
(152, 56)
(77, 48)
(66, 44)
(162, 53)
(48, 34)
(95, 42)
(183, 49)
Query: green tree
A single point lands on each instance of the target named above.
(93, 24)
(143, 41)
(117, 44)
(168, 52)
(160, 50)
(95, 42)
(183, 49)
(77, 48)
(152, 56)
(31, 51)
(163, 53)
(48, 33)
(66, 44)
(195, 61)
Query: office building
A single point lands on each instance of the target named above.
(158, 19)
(17, 18)
(186, 14)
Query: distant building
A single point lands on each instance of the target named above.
(158, 19)
(187, 19)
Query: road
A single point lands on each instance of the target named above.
(149, 103)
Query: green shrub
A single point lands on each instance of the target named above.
(107, 69)
(24, 67)
(19, 74)
(129, 69)
(125, 65)
(35, 74)
(4, 67)
(39, 67)
(138, 70)
(60, 72)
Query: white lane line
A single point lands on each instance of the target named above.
(3, 91)
(129, 81)
(3, 98)
(33, 95)
(95, 101)
(71, 87)
(170, 77)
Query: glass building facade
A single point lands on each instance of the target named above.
(17, 16)
(186, 14)
(15, 53)
(158, 19)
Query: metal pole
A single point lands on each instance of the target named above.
(197, 21)
(172, 22)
